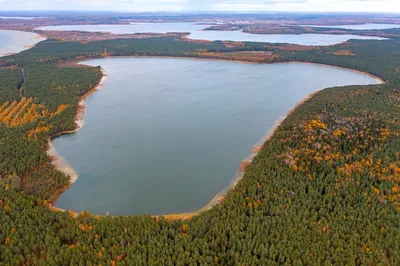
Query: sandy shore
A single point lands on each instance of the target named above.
(57, 160)
(61, 164)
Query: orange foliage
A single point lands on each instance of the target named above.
(4, 106)
(26, 103)
(21, 113)
(312, 150)
(338, 133)
(14, 110)
(60, 108)
(30, 116)
(5, 112)
(185, 228)
(343, 53)
(256, 57)
(81, 227)
(32, 134)
(314, 124)
(174, 217)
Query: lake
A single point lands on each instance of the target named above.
(22, 18)
(165, 135)
(12, 41)
(197, 33)
(367, 26)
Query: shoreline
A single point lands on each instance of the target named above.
(57, 160)
(37, 39)
(62, 165)
(378, 79)
(220, 197)
(185, 57)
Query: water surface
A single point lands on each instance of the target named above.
(166, 135)
(22, 18)
(12, 41)
(197, 33)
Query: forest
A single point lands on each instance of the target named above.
(324, 190)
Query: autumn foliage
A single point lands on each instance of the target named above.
(323, 190)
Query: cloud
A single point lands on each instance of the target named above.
(206, 5)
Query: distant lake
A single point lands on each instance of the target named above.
(367, 26)
(16, 41)
(165, 135)
(197, 33)
(3, 17)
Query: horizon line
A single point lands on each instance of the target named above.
(200, 11)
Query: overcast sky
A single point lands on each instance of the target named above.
(205, 5)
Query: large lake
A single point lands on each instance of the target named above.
(166, 135)
(197, 33)
(12, 41)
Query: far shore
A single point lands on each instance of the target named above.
(74, 63)
(378, 79)
(37, 38)
(78, 63)
(62, 165)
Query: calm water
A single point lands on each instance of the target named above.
(16, 41)
(197, 33)
(166, 135)
(367, 26)
(25, 18)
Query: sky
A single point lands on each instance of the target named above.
(392, 6)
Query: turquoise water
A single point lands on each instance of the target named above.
(166, 135)
(197, 33)
(16, 41)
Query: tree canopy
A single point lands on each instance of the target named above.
(324, 190)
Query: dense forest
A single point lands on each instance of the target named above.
(324, 190)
